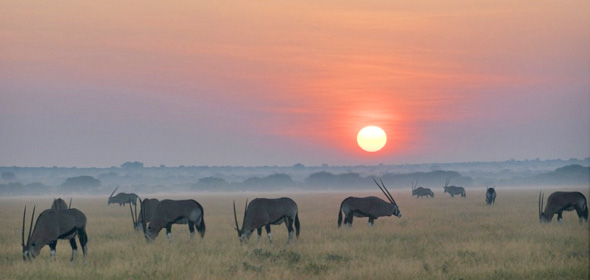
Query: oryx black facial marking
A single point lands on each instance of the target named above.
(558, 202)
(371, 207)
(264, 212)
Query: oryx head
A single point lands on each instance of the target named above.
(111, 196)
(447, 184)
(394, 208)
(542, 217)
(30, 249)
(243, 234)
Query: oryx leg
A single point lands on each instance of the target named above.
(74, 248)
(191, 228)
(268, 232)
(559, 217)
(371, 221)
(169, 233)
(349, 218)
(289, 224)
(83, 238)
(52, 245)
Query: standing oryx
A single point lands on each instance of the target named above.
(372, 207)
(558, 202)
(122, 198)
(60, 204)
(264, 212)
(453, 190)
(491, 195)
(52, 225)
(147, 207)
(420, 191)
(169, 212)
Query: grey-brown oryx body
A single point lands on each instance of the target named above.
(169, 212)
(264, 212)
(420, 191)
(52, 225)
(454, 190)
(491, 196)
(60, 204)
(558, 202)
(371, 207)
(122, 198)
(147, 207)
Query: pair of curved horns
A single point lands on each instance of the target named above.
(134, 217)
(236, 216)
(30, 227)
(384, 190)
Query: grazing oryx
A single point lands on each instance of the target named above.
(420, 191)
(491, 195)
(122, 198)
(558, 202)
(169, 212)
(453, 190)
(148, 206)
(52, 225)
(372, 207)
(263, 212)
(60, 204)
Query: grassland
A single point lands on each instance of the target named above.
(440, 238)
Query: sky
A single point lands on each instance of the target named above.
(256, 83)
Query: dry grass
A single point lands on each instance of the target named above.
(440, 238)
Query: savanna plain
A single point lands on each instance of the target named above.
(436, 238)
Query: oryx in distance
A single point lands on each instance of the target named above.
(264, 212)
(558, 202)
(491, 196)
(420, 191)
(371, 207)
(453, 190)
(122, 198)
(50, 226)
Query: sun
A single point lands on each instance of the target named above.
(371, 138)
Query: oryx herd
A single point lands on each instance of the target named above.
(63, 222)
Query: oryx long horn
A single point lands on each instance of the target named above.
(31, 225)
(236, 217)
(384, 192)
(23, 231)
(70, 206)
(114, 191)
(388, 194)
(143, 223)
(137, 214)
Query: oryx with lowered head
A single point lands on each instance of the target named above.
(264, 212)
(558, 202)
(453, 190)
(52, 225)
(169, 212)
(122, 198)
(371, 207)
(147, 207)
(420, 191)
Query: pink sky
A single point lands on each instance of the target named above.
(283, 82)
